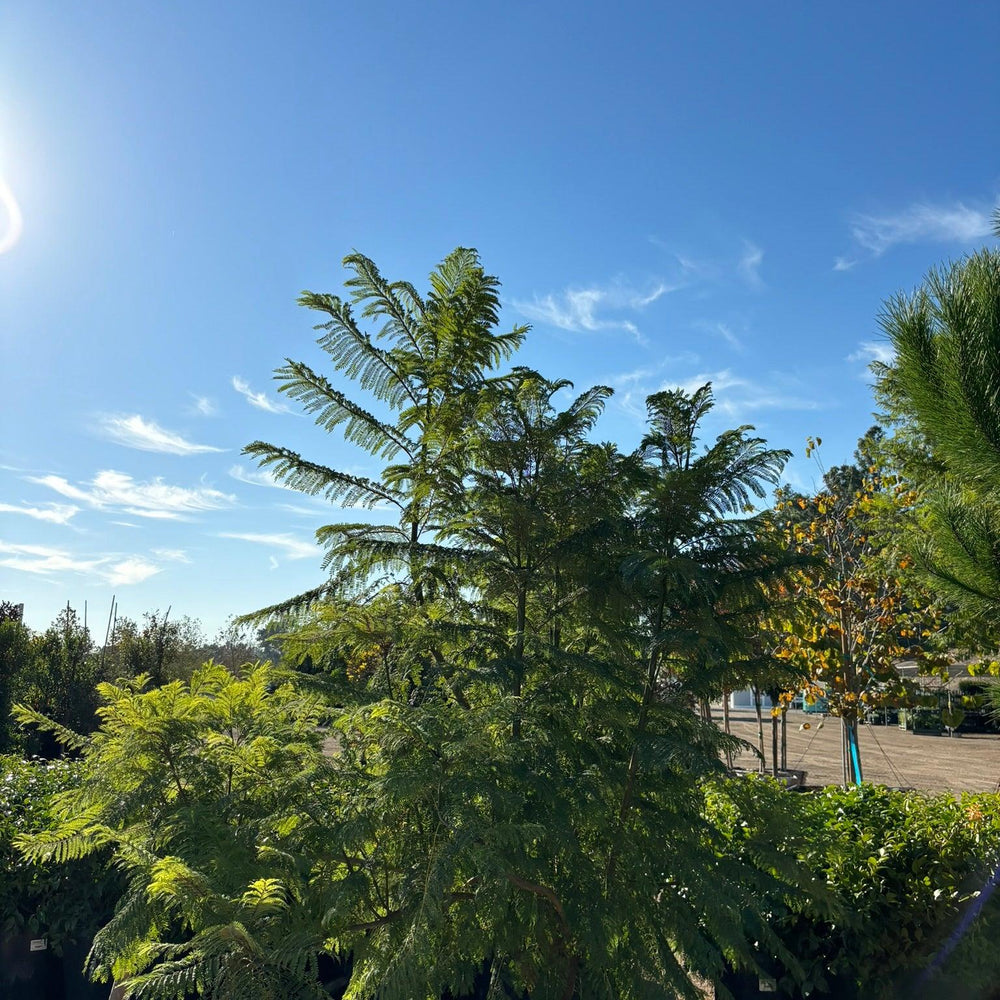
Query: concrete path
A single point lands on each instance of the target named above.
(889, 756)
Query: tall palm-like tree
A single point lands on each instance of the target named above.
(425, 363)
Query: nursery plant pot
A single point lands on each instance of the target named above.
(76, 984)
(28, 968)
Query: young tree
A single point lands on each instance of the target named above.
(16, 655)
(426, 364)
(857, 616)
(698, 567)
(160, 647)
(63, 676)
(510, 791)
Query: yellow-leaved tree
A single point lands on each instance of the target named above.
(858, 611)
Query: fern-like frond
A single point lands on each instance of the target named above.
(26, 715)
(308, 477)
(293, 605)
(330, 408)
(381, 372)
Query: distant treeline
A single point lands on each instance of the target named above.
(56, 670)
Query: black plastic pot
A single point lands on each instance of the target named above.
(28, 968)
(76, 985)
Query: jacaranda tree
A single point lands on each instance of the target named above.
(500, 788)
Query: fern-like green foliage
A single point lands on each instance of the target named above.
(499, 777)
(203, 791)
(424, 841)
(423, 366)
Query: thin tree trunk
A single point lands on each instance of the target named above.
(760, 728)
(784, 737)
(774, 743)
(725, 725)
(850, 778)
(852, 773)
(522, 607)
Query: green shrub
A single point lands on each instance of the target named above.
(902, 867)
(64, 902)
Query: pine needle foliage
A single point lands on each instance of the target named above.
(947, 340)
(944, 383)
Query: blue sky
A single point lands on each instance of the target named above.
(669, 193)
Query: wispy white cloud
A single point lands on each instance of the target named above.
(632, 387)
(53, 513)
(750, 264)
(203, 406)
(10, 218)
(740, 398)
(119, 492)
(135, 431)
(302, 511)
(690, 268)
(640, 300)
(923, 222)
(728, 336)
(172, 555)
(724, 330)
(130, 571)
(844, 263)
(737, 397)
(638, 376)
(44, 560)
(873, 350)
(643, 374)
(292, 547)
(258, 399)
(255, 477)
(585, 309)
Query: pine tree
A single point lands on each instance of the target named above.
(945, 382)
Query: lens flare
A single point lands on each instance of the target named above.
(972, 911)
(15, 221)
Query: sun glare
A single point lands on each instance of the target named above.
(11, 220)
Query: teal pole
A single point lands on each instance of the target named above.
(852, 744)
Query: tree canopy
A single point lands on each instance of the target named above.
(945, 382)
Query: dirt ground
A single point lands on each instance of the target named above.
(889, 756)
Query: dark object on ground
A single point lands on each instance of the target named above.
(29, 970)
(750, 986)
(335, 974)
(76, 984)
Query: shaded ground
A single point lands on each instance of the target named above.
(889, 756)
